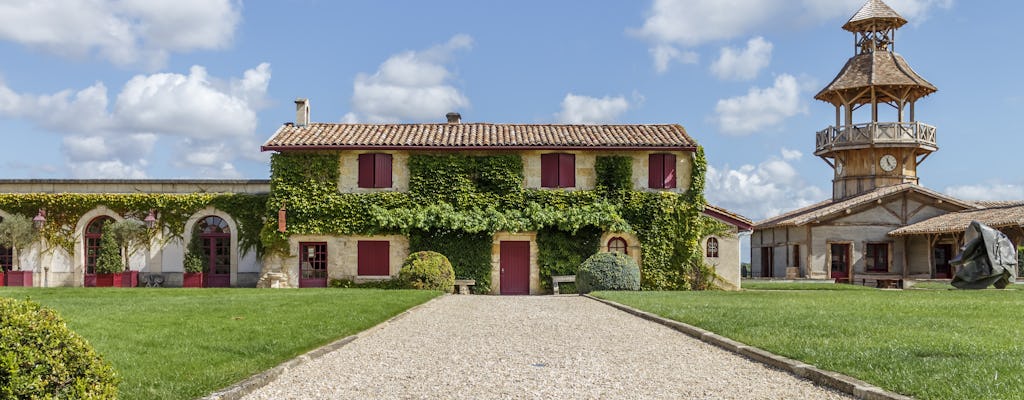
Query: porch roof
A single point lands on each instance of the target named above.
(1006, 214)
(829, 208)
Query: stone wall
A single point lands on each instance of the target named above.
(343, 256)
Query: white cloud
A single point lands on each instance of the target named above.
(770, 188)
(664, 55)
(412, 85)
(206, 117)
(692, 23)
(762, 108)
(591, 110)
(126, 32)
(743, 64)
(991, 191)
(789, 155)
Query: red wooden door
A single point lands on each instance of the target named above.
(312, 264)
(217, 249)
(841, 261)
(515, 267)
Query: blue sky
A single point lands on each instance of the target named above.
(191, 88)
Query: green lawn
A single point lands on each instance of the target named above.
(185, 343)
(929, 344)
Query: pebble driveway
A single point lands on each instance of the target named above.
(532, 347)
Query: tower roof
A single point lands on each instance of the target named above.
(875, 15)
(880, 69)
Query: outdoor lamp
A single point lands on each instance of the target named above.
(40, 219)
(150, 219)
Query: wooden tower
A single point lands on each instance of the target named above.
(870, 154)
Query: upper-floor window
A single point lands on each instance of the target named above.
(661, 172)
(712, 248)
(877, 257)
(374, 170)
(558, 170)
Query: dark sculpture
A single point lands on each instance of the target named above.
(987, 258)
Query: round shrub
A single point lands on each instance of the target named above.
(41, 358)
(608, 271)
(428, 270)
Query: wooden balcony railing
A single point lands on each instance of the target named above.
(872, 133)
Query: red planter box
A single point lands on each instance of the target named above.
(108, 280)
(18, 278)
(130, 279)
(192, 279)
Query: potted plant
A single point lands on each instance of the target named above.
(129, 234)
(193, 276)
(193, 263)
(109, 263)
(17, 233)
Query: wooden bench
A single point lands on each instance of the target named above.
(464, 284)
(889, 283)
(555, 280)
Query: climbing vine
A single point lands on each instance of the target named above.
(456, 202)
(64, 210)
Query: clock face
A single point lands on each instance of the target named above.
(887, 162)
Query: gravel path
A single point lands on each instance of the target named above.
(532, 347)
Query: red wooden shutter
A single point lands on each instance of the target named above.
(374, 258)
(655, 171)
(566, 170)
(670, 171)
(549, 170)
(366, 170)
(382, 171)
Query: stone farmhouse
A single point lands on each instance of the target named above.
(547, 164)
(510, 204)
(880, 226)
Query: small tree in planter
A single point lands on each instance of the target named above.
(109, 263)
(17, 233)
(193, 276)
(129, 234)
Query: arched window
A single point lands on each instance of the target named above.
(712, 250)
(6, 257)
(215, 250)
(618, 245)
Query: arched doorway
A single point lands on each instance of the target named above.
(215, 250)
(93, 233)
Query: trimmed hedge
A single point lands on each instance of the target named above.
(40, 358)
(608, 271)
(427, 270)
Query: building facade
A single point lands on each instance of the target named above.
(880, 224)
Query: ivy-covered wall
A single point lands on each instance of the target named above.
(64, 210)
(456, 202)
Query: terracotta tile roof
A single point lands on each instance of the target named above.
(478, 135)
(880, 68)
(874, 11)
(741, 222)
(996, 217)
(829, 208)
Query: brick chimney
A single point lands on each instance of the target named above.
(454, 118)
(301, 112)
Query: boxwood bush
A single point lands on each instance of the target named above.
(40, 358)
(428, 270)
(608, 271)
